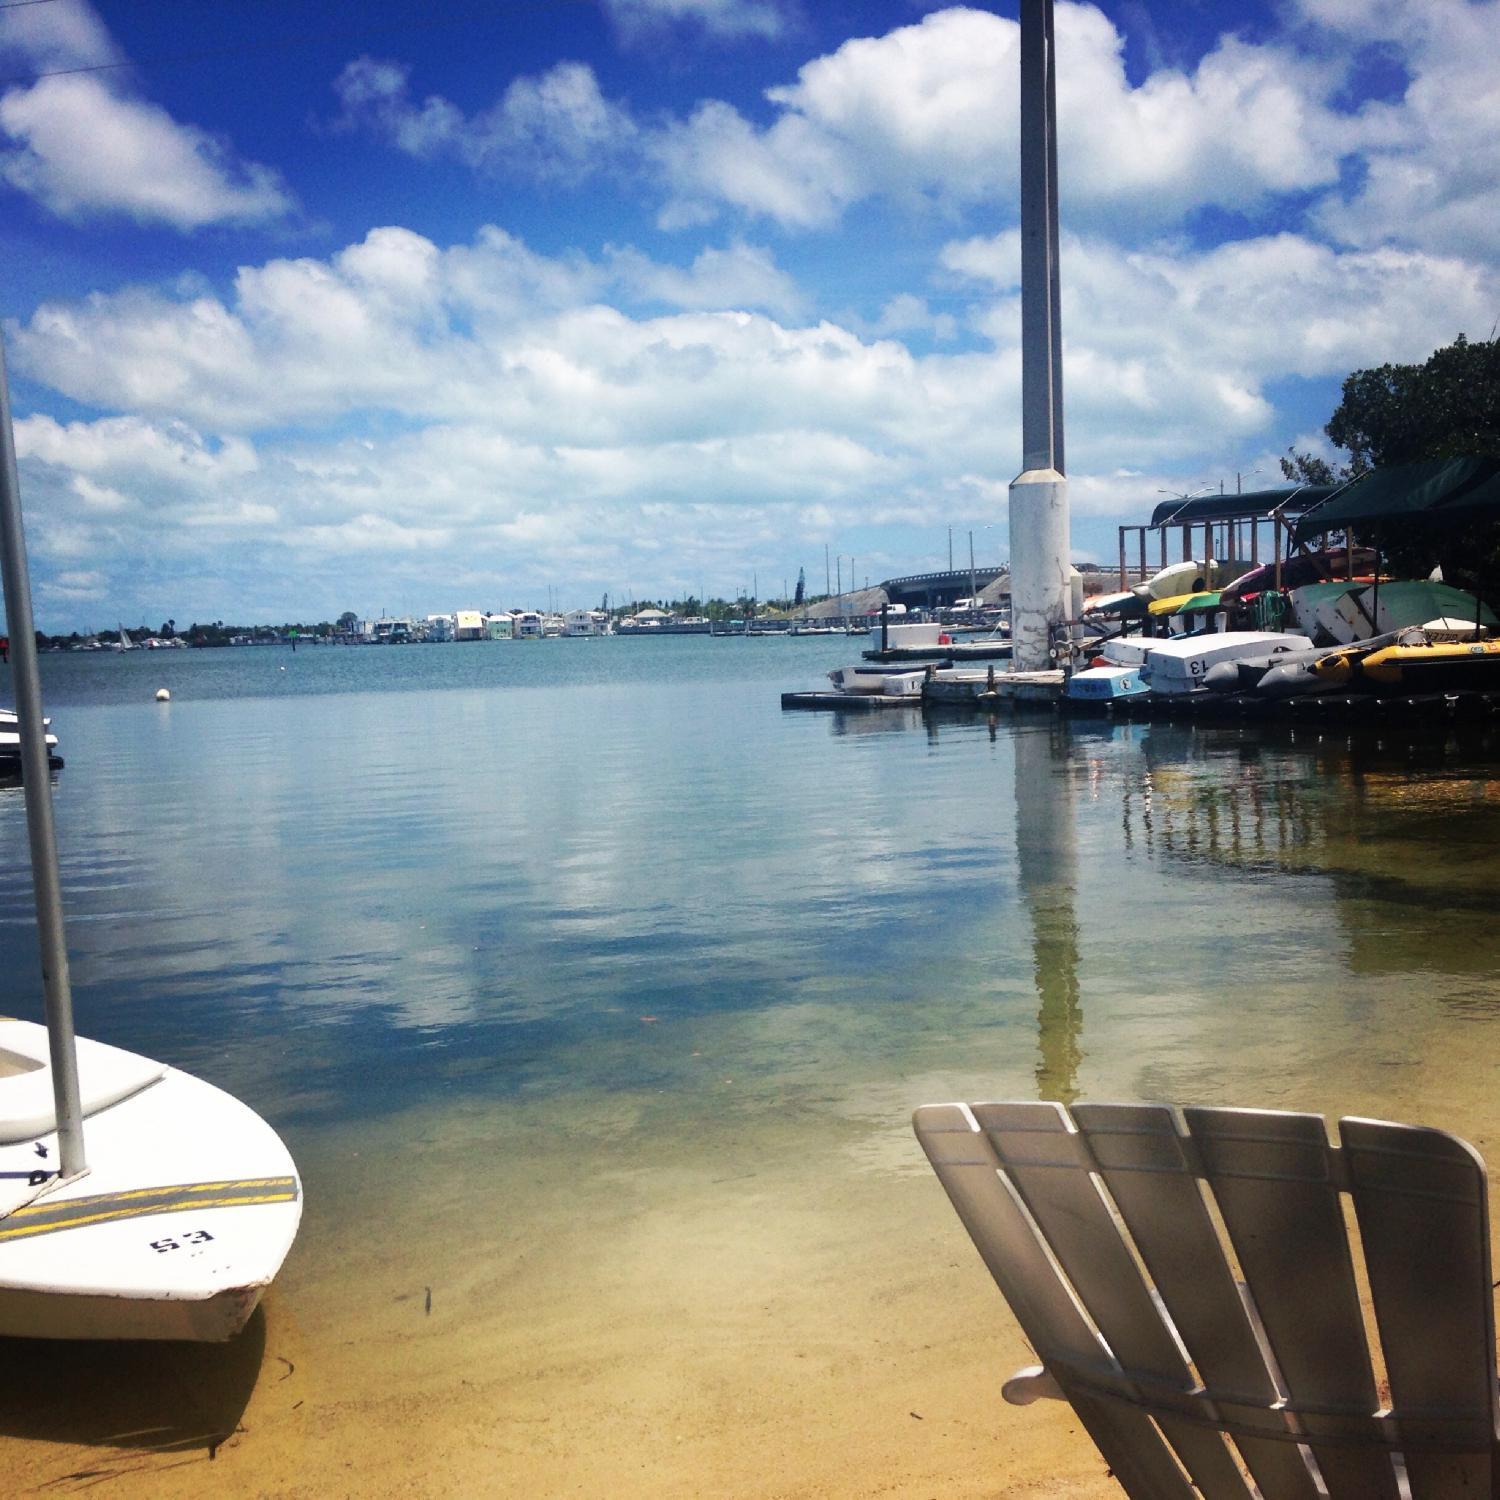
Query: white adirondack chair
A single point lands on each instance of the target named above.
(1191, 1284)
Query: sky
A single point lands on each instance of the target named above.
(311, 307)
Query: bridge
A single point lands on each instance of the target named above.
(938, 590)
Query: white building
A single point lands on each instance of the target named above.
(529, 625)
(439, 627)
(585, 622)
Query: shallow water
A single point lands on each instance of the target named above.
(593, 994)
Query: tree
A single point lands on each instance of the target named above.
(1307, 468)
(1447, 407)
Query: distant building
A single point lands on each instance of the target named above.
(647, 619)
(529, 626)
(585, 622)
(500, 626)
(439, 627)
(468, 625)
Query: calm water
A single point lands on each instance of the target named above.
(462, 921)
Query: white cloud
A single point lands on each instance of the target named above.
(482, 411)
(739, 275)
(44, 38)
(931, 111)
(725, 19)
(1427, 179)
(82, 151)
(557, 125)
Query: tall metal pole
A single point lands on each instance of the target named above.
(1039, 571)
(46, 881)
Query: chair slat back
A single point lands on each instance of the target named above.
(1148, 1171)
(1421, 1198)
(1273, 1179)
(1096, 1227)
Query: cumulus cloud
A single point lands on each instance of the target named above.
(924, 113)
(636, 20)
(394, 324)
(81, 151)
(557, 125)
(539, 424)
(1159, 341)
(1425, 179)
(84, 147)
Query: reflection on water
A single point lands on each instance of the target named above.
(1047, 872)
(598, 1004)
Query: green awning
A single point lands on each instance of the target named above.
(1437, 491)
(1254, 505)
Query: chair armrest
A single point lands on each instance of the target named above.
(1032, 1383)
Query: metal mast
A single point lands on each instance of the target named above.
(45, 878)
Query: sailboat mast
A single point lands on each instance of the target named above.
(45, 877)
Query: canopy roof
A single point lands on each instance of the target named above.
(1438, 490)
(1257, 504)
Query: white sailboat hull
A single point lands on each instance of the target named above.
(188, 1209)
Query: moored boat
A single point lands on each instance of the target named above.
(1434, 667)
(10, 745)
(875, 677)
(1099, 687)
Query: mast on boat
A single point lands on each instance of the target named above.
(45, 877)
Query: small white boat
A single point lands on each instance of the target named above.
(188, 1209)
(10, 744)
(873, 677)
(1179, 664)
(1104, 685)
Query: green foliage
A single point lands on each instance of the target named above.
(1306, 468)
(1447, 407)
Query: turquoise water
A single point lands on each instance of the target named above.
(340, 879)
(606, 898)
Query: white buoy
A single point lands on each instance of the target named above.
(163, 696)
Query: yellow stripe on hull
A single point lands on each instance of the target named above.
(48, 1216)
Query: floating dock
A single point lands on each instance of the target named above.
(945, 655)
(1020, 691)
(850, 702)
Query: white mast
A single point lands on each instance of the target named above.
(35, 773)
(1039, 586)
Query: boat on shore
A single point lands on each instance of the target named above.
(136, 1201)
(188, 1208)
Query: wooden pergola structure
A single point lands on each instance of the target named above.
(1240, 527)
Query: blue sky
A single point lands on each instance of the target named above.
(311, 308)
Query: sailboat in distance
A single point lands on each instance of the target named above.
(184, 1206)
